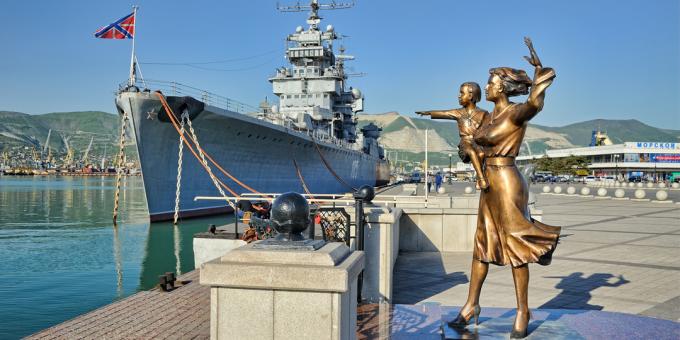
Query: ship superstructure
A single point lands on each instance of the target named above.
(309, 136)
(312, 91)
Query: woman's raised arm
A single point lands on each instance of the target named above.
(543, 77)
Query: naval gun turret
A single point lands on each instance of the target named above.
(312, 90)
(371, 133)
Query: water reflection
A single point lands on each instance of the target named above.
(118, 262)
(61, 255)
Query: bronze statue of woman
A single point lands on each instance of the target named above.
(506, 233)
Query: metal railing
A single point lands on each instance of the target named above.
(173, 88)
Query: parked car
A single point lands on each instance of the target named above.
(537, 178)
(589, 179)
(635, 179)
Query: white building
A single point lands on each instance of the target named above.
(651, 160)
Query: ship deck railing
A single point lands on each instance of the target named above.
(320, 136)
(325, 200)
(173, 88)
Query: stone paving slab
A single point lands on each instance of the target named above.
(614, 255)
(183, 313)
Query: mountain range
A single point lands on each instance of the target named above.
(400, 133)
(405, 135)
(75, 128)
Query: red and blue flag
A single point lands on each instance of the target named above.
(123, 28)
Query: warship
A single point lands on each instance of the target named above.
(309, 141)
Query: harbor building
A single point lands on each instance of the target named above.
(652, 161)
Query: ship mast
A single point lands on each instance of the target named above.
(312, 94)
(133, 75)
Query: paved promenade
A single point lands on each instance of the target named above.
(183, 313)
(621, 256)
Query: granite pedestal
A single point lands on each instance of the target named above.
(284, 294)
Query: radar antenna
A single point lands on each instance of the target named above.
(314, 7)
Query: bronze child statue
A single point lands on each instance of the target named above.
(469, 118)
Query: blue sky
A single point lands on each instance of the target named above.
(614, 59)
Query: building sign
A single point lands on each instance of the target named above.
(653, 145)
(664, 158)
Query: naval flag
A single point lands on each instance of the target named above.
(123, 28)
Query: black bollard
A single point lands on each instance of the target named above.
(236, 223)
(170, 279)
(163, 283)
(364, 194)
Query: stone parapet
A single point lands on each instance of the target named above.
(208, 246)
(381, 247)
(441, 230)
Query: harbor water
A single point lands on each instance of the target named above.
(60, 255)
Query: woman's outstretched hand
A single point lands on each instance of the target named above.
(533, 59)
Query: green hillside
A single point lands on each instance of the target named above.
(448, 129)
(619, 131)
(20, 129)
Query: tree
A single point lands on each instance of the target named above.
(544, 163)
(562, 166)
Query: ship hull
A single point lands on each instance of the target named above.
(258, 153)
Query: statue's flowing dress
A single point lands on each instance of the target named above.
(506, 233)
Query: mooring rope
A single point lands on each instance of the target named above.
(325, 162)
(180, 155)
(302, 180)
(305, 188)
(200, 150)
(214, 179)
(219, 184)
(119, 165)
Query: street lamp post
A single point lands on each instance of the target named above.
(655, 173)
(616, 162)
(450, 166)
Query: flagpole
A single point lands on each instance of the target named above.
(427, 177)
(132, 79)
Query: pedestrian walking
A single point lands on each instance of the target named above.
(438, 182)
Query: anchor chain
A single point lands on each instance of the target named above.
(180, 155)
(119, 166)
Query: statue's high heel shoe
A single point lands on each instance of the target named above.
(463, 320)
(520, 333)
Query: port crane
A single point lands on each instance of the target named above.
(47, 144)
(87, 152)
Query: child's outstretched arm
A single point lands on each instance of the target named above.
(440, 114)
